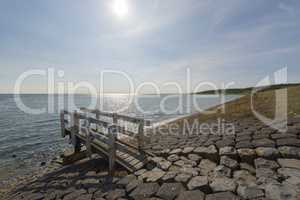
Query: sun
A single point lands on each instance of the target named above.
(120, 8)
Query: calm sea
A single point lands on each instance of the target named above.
(26, 139)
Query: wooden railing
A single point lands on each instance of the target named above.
(109, 132)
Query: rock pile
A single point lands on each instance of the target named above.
(256, 162)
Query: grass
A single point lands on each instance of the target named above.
(263, 102)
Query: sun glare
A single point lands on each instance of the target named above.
(120, 8)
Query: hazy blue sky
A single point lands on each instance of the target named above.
(220, 41)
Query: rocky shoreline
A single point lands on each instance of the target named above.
(256, 162)
(252, 162)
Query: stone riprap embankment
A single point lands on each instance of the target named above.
(254, 162)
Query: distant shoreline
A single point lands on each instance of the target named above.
(247, 90)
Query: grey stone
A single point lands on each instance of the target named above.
(176, 151)
(250, 192)
(33, 196)
(115, 194)
(132, 185)
(258, 136)
(281, 191)
(140, 172)
(169, 191)
(229, 162)
(289, 172)
(206, 167)
(185, 163)
(145, 190)
(289, 163)
(191, 195)
(157, 147)
(243, 177)
(222, 184)
(265, 175)
(224, 143)
(222, 170)
(125, 180)
(74, 194)
(207, 152)
(183, 178)
(243, 138)
(264, 163)
(263, 143)
(247, 167)
(267, 152)
(187, 150)
(289, 152)
(173, 158)
(222, 196)
(189, 170)
(174, 168)
(153, 175)
(288, 142)
(265, 172)
(246, 155)
(164, 164)
(85, 197)
(283, 135)
(99, 195)
(199, 182)
(170, 175)
(228, 151)
(194, 157)
(244, 144)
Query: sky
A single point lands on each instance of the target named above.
(151, 41)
